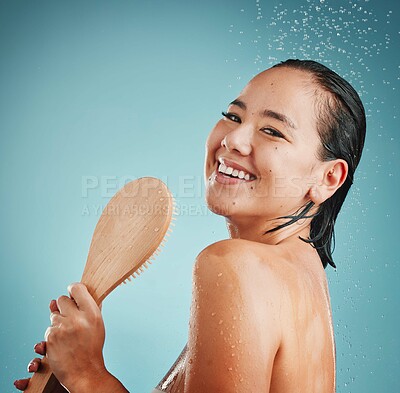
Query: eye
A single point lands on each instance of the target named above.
(272, 132)
(232, 117)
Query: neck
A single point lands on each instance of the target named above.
(251, 230)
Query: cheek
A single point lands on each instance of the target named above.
(216, 135)
(213, 142)
(214, 139)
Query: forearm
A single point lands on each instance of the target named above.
(104, 383)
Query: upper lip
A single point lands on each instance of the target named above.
(234, 165)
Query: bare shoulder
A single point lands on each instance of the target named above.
(238, 252)
(248, 261)
(236, 300)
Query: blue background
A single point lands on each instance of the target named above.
(110, 90)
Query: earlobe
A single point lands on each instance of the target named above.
(314, 195)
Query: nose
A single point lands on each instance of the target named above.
(238, 140)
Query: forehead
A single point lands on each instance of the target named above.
(285, 78)
(284, 90)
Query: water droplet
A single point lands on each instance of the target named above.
(219, 274)
(232, 354)
(220, 322)
(230, 368)
(156, 229)
(221, 332)
(159, 191)
(212, 314)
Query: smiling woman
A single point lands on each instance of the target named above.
(260, 316)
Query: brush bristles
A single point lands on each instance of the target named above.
(157, 251)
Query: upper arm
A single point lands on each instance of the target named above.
(234, 329)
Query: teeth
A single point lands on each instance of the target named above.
(234, 172)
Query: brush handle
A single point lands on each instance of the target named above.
(44, 381)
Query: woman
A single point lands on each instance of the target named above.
(278, 166)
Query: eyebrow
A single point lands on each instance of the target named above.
(268, 113)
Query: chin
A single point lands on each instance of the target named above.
(219, 207)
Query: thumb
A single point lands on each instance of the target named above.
(83, 299)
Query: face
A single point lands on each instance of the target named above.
(261, 157)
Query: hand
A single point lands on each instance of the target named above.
(75, 338)
(33, 366)
(74, 345)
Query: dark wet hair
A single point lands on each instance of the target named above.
(341, 126)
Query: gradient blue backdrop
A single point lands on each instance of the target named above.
(96, 92)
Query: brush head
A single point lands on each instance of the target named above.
(128, 233)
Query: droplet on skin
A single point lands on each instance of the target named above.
(221, 332)
(156, 229)
(219, 274)
(212, 314)
(230, 368)
(220, 322)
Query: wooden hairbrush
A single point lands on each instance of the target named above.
(127, 236)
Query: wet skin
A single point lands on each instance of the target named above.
(260, 315)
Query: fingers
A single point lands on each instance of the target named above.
(48, 332)
(40, 348)
(56, 319)
(82, 297)
(53, 306)
(21, 384)
(34, 365)
(66, 305)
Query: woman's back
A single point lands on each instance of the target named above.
(305, 361)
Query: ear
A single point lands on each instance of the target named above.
(333, 175)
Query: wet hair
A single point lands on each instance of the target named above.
(341, 126)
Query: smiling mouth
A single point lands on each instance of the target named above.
(235, 173)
